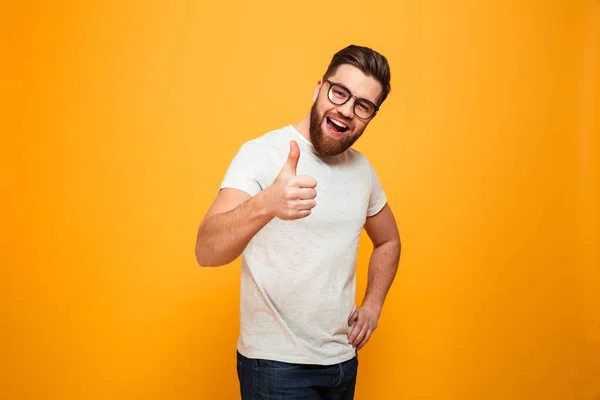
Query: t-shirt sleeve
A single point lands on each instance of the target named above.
(248, 170)
(377, 199)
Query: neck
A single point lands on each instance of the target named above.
(303, 126)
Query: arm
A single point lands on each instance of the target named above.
(232, 220)
(383, 232)
(235, 216)
(383, 264)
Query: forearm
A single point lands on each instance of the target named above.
(223, 237)
(382, 270)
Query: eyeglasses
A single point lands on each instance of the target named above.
(340, 95)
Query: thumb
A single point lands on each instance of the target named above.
(292, 160)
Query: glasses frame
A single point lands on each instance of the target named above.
(329, 96)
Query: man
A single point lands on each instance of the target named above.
(294, 202)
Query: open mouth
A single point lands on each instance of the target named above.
(336, 127)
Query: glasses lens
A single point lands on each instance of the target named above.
(338, 95)
(364, 109)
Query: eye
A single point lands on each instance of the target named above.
(364, 106)
(340, 93)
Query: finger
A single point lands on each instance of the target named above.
(361, 335)
(303, 213)
(306, 181)
(355, 332)
(352, 317)
(307, 194)
(365, 340)
(292, 161)
(305, 204)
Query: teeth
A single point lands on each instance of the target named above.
(338, 123)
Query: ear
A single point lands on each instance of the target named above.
(317, 89)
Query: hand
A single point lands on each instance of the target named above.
(365, 322)
(290, 196)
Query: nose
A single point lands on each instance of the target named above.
(347, 110)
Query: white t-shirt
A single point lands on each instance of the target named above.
(298, 277)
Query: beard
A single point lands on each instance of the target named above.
(324, 144)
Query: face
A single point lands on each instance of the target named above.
(334, 128)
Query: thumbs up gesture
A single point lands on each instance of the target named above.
(292, 197)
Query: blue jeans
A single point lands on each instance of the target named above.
(275, 380)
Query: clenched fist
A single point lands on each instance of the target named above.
(290, 196)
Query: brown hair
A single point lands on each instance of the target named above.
(370, 62)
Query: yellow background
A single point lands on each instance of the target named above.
(120, 118)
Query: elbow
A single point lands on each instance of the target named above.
(203, 255)
(205, 262)
(202, 258)
(202, 262)
(206, 258)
